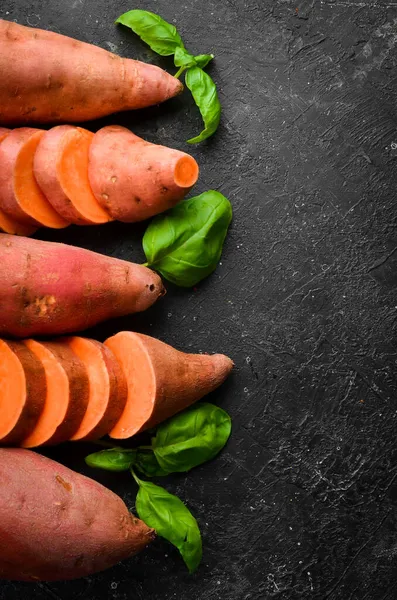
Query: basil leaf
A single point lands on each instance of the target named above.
(206, 97)
(202, 60)
(171, 519)
(162, 37)
(192, 437)
(182, 58)
(185, 243)
(114, 459)
(147, 463)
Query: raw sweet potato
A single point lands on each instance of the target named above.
(133, 179)
(161, 380)
(61, 170)
(48, 78)
(57, 525)
(48, 288)
(20, 196)
(7, 224)
(22, 392)
(107, 388)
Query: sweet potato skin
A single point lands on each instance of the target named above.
(48, 288)
(56, 524)
(132, 179)
(61, 79)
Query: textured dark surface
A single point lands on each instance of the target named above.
(302, 504)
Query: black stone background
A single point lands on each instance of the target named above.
(302, 503)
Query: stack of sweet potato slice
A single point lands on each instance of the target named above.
(79, 389)
(68, 175)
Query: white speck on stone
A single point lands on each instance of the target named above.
(114, 585)
(169, 315)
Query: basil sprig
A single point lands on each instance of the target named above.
(185, 243)
(171, 519)
(183, 442)
(164, 39)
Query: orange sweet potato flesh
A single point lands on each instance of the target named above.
(22, 392)
(133, 179)
(67, 394)
(161, 380)
(56, 524)
(61, 79)
(20, 195)
(61, 170)
(48, 288)
(107, 388)
(7, 224)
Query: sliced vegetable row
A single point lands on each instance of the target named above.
(79, 389)
(68, 175)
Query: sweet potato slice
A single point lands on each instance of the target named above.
(11, 226)
(22, 392)
(67, 394)
(107, 388)
(20, 195)
(133, 179)
(161, 380)
(7, 224)
(61, 170)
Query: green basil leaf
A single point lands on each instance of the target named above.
(182, 58)
(202, 60)
(162, 37)
(192, 437)
(172, 520)
(147, 463)
(114, 459)
(206, 97)
(185, 243)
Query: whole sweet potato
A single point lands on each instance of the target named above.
(46, 77)
(48, 288)
(56, 524)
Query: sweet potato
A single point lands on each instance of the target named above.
(107, 388)
(61, 170)
(20, 196)
(57, 525)
(7, 224)
(22, 392)
(67, 394)
(133, 179)
(48, 288)
(48, 78)
(161, 380)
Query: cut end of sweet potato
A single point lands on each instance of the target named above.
(141, 382)
(161, 380)
(186, 172)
